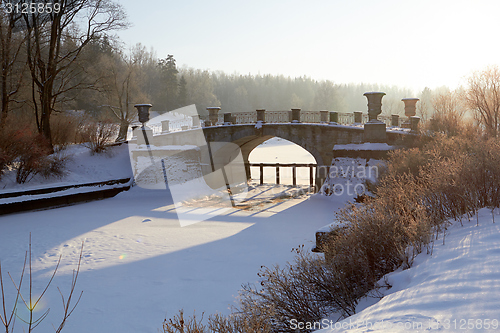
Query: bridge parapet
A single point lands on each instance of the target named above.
(217, 118)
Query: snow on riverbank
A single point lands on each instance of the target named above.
(456, 289)
(82, 167)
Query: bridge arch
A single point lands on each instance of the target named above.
(249, 137)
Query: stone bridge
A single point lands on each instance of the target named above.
(318, 138)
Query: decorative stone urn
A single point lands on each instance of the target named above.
(410, 106)
(143, 111)
(374, 104)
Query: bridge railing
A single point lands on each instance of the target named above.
(217, 118)
(278, 116)
(245, 117)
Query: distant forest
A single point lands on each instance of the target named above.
(141, 77)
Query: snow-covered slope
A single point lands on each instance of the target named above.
(81, 167)
(456, 289)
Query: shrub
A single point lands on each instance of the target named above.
(27, 152)
(178, 324)
(97, 135)
(65, 129)
(30, 151)
(54, 165)
(7, 150)
(234, 323)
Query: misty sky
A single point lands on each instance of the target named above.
(407, 43)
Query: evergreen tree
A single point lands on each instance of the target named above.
(182, 97)
(170, 86)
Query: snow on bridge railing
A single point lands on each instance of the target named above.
(216, 118)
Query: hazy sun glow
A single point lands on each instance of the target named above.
(413, 44)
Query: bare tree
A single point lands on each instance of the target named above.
(55, 40)
(424, 105)
(449, 112)
(11, 69)
(483, 97)
(123, 86)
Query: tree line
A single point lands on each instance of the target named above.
(56, 63)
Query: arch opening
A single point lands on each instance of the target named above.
(278, 150)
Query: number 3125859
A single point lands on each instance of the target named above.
(33, 8)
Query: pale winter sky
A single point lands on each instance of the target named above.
(397, 42)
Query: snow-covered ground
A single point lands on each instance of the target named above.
(139, 265)
(81, 167)
(454, 289)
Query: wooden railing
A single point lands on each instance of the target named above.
(277, 167)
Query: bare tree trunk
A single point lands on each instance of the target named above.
(122, 134)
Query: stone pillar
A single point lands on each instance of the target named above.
(358, 117)
(261, 115)
(143, 111)
(374, 104)
(414, 120)
(295, 115)
(410, 110)
(196, 120)
(227, 118)
(139, 133)
(334, 118)
(375, 130)
(395, 120)
(165, 126)
(323, 116)
(213, 115)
